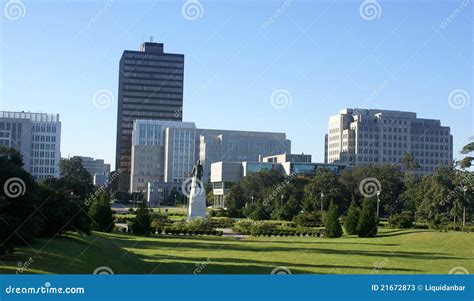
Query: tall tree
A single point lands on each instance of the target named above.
(352, 219)
(101, 213)
(18, 202)
(142, 222)
(332, 225)
(367, 226)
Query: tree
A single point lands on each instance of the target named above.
(61, 212)
(142, 222)
(74, 178)
(367, 226)
(352, 219)
(467, 161)
(326, 182)
(19, 222)
(101, 213)
(331, 222)
(409, 163)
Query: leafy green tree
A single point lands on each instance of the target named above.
(367, 226)
(467, 161)
(19, 222)
(287, 209)
(101, 213)
(142, 221)
(74, 178)
(352, 219)
(326, 182)
(61, 212)
(331, 222)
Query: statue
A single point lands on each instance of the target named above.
(197, 170)
(197, 195)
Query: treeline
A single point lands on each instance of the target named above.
(30, 209)
(442, 199)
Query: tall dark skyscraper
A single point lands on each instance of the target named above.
(150, 87)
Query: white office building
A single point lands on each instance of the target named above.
(165, 151)
(37, 136)
(371, 136)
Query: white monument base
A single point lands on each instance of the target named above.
(197, 201)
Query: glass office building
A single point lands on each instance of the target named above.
(151, 88)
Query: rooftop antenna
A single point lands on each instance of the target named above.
(151, 39)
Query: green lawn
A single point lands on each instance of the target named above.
(394, 251)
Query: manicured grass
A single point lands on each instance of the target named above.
(394, 251)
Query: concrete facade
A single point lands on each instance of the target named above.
(371, 136)
(37, 136)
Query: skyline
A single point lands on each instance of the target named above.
(246, 77)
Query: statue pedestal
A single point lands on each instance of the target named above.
(197, 201)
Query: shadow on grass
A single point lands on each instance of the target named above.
(239, 266)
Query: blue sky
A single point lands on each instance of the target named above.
(326, 54)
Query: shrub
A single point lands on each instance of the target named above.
(367, 226)
(142, 222)
(259, 227)
(101, 213)
(243, 226)
(308, 219)
(352, 219)
(331, 222)
(403, 220)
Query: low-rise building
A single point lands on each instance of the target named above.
(224, 174)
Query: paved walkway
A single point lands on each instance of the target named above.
(228, 232)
